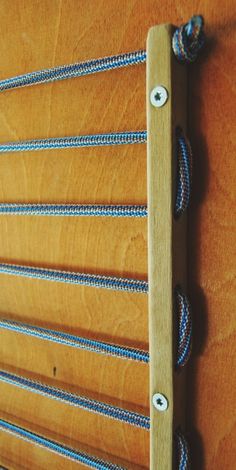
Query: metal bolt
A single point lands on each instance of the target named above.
(160, 402)
(159, 96)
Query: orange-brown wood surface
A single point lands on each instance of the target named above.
(39, 34)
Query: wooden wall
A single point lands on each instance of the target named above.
(38, 34)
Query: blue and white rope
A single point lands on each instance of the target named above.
(182, 451)
(59, 449)
(74, 70)
(94, 140)
(183, 455)
(184, 330)
(189, 39)
(73, 210)
(91, 280)
(184, 173)
(184, 177)
(109, 411)
(187, 42)
(184, 337)
(67, 339)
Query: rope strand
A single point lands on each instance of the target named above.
(55, 447)
(74, 210)
(183, 455)
(91, 280)
(184, 337)
(188, 40)
(109, 411)
(66, 339)
(184, 178)
(95, 140)
(74, 70)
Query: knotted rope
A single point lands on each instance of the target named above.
(188, 40)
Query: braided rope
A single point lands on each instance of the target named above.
(66, 339)
(74, 210)
(182, 451)
(74, 70)
(187, 42)
(189, 39)
(91, 280)
(55, 447)
(95, 140)
(183, 454)
(184, 176)
(109, 411)
(184, 337)
(183, 314)
(184, 173)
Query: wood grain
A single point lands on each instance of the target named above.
(14, 450)
(166, 237)
(36, 35)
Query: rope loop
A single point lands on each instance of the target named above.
(189, 39)
(182, 451)
(184, 318)
(184, 173)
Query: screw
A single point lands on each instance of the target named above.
(159, 96)
(160, 402)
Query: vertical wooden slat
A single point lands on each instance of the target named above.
(166, 240)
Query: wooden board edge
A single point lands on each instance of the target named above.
(166, 238)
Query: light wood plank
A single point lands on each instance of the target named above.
(47, 33)
(165, 266)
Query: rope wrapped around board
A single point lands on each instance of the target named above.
(187, 41)
(184, 336)
(182, 449)
(184, 176)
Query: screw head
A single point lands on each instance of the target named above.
(160, 402)
(159, 96)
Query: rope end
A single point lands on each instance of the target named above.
(189, 39)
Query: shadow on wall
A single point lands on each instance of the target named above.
(196, 294)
